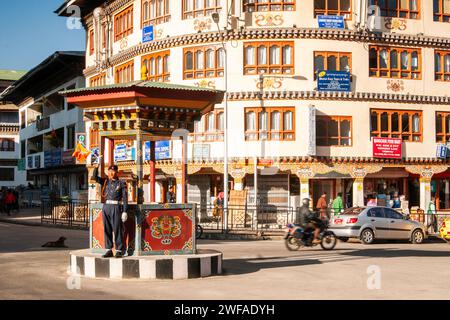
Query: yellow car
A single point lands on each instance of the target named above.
(444, 231)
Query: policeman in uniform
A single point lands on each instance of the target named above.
(114, 209)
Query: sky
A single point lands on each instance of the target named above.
(31, 32)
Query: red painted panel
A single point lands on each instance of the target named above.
(98, 235)
(168, 231)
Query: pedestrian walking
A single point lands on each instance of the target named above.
(338, 204)
(431, 212)
(322, 205)
(10, 200)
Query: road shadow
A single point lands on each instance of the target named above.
(396, 253)
(246, 266)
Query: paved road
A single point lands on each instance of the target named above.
(254, 270)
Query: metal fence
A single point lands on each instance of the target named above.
(267, 219)
(71, 213)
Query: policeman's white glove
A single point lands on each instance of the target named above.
(124, 217)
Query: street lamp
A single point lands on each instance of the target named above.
(216, 18)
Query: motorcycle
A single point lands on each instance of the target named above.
(297, 237)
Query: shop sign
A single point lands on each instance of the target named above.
(441, 151)
(333, 81)
(95, 155)
(389, 148)
(52, 158)
(147, 34)
(331, 22)
(312, 147)
(124, 152)
(21, 165)
(201, 151)
(162, 150)
(67, 158)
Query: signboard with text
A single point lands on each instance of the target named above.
(147, 34)
(52, 158)
(441, 151)
(124, 152)
(387, 148)
(333, 81)
(162, 150)
(331, 22)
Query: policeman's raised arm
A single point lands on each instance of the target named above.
(97, 178)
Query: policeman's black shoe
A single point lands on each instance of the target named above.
(108, 254)
(119, 254)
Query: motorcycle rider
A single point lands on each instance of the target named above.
(309, 219)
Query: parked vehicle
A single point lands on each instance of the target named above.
(444, 231)
(370, 223)
(297, 237)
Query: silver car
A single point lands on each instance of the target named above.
(370, 223)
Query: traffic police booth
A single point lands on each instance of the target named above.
(141, 113)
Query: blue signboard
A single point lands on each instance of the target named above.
(162, 150)
(123, 152)
(441, 151)
(333, 81)
(52, 158)
(331, 22)
(147, 34)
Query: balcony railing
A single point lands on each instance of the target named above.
(43, 124)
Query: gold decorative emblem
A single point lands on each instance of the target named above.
(269, 83)
(205, 84)
(268, 20)
(395, 24)
(201, 25)
(123, 44)
(395, 85)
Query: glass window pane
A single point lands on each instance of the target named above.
(250, 125)
(275, 124)
(262, 55)
(288, 121)
(189, 61)
(345, 128)
(319, 63)
(263, 121)
(344, 64)
(384, 122)
(199, 60)
(287, 55)
(274, 55)
(383, 59)
(332, 63)
(250, 56)
(210, 59)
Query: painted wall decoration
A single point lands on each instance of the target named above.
(205, 84)
(167, 231)
(395, 24)
(202, 24)
(269, 20)
(269, 83)
(395, 85)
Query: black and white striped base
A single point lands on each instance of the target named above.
(203, 264)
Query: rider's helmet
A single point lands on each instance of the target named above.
(305, 201)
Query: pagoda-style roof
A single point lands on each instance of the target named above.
(145, 93)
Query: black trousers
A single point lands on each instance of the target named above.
(112, 223)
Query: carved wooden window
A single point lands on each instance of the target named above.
(271, 123)
(197, 8)
(7, 144)
(332, 61)
(91, 42)
(209, 128)
(395, 62)
(334, 131)
(404, 124)
(441, 10)
(155, 12)
(442, 65)
(123, 23)
(203, 62)
(268, 5)
(442, 126)
(409, 9)
(333, 8)
(269, 57)
(98, 80)
(124, 73)
(157, 66)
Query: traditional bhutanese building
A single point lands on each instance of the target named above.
(311, 86)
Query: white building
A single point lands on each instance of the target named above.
(398, 60)
(48, 124)
(11, 173)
